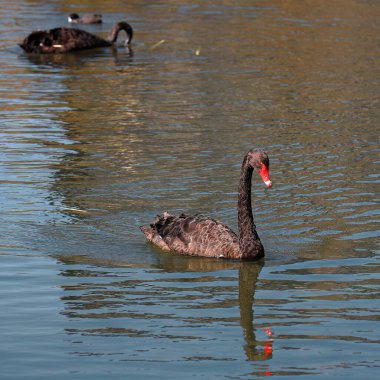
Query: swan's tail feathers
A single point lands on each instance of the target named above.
(153, 236)
(147, 231)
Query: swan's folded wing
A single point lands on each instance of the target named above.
(198, 235)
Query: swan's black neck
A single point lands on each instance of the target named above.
(249, 241)
(117, 28)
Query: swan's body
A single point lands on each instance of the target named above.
(200, 235)
(87, 18)
(64, 40)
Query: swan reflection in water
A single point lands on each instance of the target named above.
(255, 350)
(106, 293)
(120, 58)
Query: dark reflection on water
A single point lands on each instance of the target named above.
(185, 303)
(182, 305)
(94, 144)
(77, 59)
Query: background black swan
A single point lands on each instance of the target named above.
(88, 18)
(64, 40)
(200, 235)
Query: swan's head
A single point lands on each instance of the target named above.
(259, 160)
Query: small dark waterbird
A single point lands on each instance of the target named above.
(64, 40)
(88, 18)
(199, 235)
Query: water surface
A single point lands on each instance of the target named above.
(94, 144)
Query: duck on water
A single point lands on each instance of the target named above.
(87, 18)
(199, 235)
(64, 40)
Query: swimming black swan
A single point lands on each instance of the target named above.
(88, 18)
(64, 40)
(199, 235)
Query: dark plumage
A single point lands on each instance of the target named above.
(64, 40)
(88, 18)
(200, 235)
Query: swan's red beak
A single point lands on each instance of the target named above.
(264, 172)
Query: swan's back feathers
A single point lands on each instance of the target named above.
(61, 40)
(196, 235)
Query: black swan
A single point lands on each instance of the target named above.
(64, 40)
(88, 18)
(199, 235)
